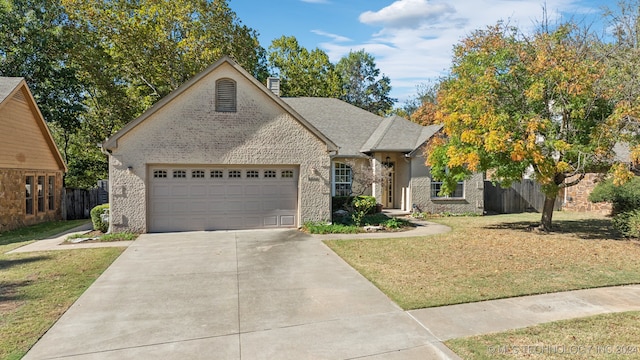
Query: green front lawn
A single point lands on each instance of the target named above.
(608, 336)
(37, 288)
(494, 257)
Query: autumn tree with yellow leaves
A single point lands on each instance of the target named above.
(521, 106)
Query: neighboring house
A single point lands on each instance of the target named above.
(576, 198)
(223, 151)
(31, 167)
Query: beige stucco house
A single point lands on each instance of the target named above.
(31, 167)
(224, 151)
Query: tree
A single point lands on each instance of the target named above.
(515, 105)
(362, 84)
(422, 109)
(35, 43)
(303, 72)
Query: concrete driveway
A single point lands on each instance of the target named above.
(263, 294)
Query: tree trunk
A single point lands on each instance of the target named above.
(547, 213)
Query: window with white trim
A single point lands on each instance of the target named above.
(179, 174)
(342, 179)
(253, 173)
(286, 174)
(225, 95)
(269, 173)
(436, 187)
(235, 174)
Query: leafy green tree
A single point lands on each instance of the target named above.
(35, 43)
(515, 105)
(303, 72)
(362, 84)
(151, 47)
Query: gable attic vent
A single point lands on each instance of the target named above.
(273, 84)
(225, 95)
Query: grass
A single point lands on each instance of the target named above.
(98, 236)
(494, 257)
(37, 288)
(609, 336)
(39, 231)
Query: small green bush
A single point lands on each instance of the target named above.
(362, 205)
(628, 223)
(624, 198)
(325, 228)
(97, 220)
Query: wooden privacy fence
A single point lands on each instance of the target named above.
(524, 196)
(77, 203)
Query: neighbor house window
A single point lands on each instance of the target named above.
(40, 193)
(342, 177)
(29, 195)
(51, 193)
(436, 187)
(225, 95)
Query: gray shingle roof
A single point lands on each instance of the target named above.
(358, 131)
(7, 85)
(346, 125)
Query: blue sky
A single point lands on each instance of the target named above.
(411, 40)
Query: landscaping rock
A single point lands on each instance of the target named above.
(340, 213)
(371, 228)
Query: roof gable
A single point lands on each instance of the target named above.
(15, 88)
(112, 142)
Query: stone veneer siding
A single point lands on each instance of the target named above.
(188, 130)
(12, 198)
(473, 201)
(577, 197)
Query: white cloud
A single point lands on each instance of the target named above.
(335, 37)
(414, 39)
(407, 13)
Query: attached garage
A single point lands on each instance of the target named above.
(189, 198)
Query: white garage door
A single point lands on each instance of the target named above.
(222, 198)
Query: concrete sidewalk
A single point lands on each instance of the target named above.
(456, 321)
(56, 242)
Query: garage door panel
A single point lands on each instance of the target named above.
(216, 203)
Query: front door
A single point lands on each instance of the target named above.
(388, 193)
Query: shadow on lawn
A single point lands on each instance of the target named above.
(7, 263)
(589, 229)
(10, 292)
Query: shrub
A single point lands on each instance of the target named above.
(624, 198)
(341, 202)
(362, 206)
(96, 218)
(324, 228)
(628, 223)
